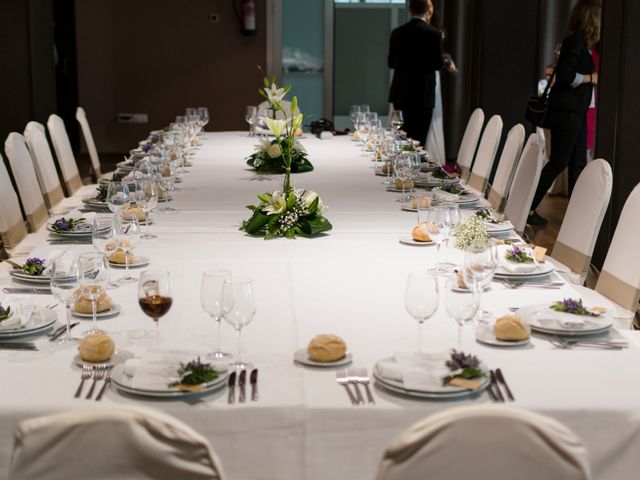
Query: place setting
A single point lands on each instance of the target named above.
(19, 317)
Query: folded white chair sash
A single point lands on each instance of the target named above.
(496, 442)
(477, 182)
(43, 163)
(115, 443)
(507, 164)
(64, 153)
(496, 200)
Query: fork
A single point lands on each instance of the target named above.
(513, 285)
(98, 374)
(567, 344)
(107, 380)
(362, 377)
(343, 379)
(352, 375)
(86, 375)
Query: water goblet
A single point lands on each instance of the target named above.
(460, 305)
(147, 199)
(421, 298)
(403, 171)
(154, 296)
(204, 116)
(211, 302)
(94, 280)
(439, 227)
(250, 116)
(128, 234)
(480, 264)
(238, 309)
(65, 283)
(117, 196)
(397, 119)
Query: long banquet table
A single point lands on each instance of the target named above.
(349, 282)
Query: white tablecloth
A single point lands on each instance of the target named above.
(350, 283)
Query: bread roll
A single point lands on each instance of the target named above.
(511, 328)
(131, 212)
(420, 233)
(120, 258)
(422, 202)
(83, 304)
(326, 348)
(407, 183)
(460, 278)
(96, 348)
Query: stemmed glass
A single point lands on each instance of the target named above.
(353, 114)
(238, 309)
(128, 234)
(454, 223)
(460, 306)
(397, 119)
(421, 298)
(211, 301)
(154, 295)
(147, 199)
(117, 196)
(439, 228)
(65, 280)
(250, 116)
(403, 169)
(204, 116)
(480, 264)
(167, 178)
(94, 280)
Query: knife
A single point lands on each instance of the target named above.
(232, 388)
(29, 290)
(63, 329)
(253, 378)
(494, 383)
(501, 379)
(18, 346)
(241, 383)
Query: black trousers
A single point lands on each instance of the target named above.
(568, 149)
(417, 122)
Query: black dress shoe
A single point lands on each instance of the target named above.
(535, 219)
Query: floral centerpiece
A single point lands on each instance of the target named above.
(288, 212)
(518, 255)
(472, 233)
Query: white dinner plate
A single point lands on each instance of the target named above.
(138, 262)
(95, 204)
(41, 320)
(112, 312)
(540, 270)
(414, 243)
(82, 230)
(395, 189)
(543, 319)
(119, 356)
(500, 227)
(22, 276)
(484, 334)
(408, 207)
(125, 383)
(301, 356)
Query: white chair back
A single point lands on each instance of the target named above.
(620, 277)
(497, 443)
(81, 116)
(486, 154)
(26, 181)
(115, 443)
(583, 218)
(64, 153)
(498, 191)
(12, 228)
(43, 164)
(469, 143)
(523, 187)
(263, 110)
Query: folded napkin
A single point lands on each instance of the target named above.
(416, 370)
(154, 371)
(445, 196)
(53, 256)
(515, 267)
(325, 135)
(88, 216)
(569, 320)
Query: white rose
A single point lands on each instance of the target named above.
(309, 197)
(274, 151)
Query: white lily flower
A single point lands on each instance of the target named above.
(274, 150)
(277, 204)
(277, 127)
(262, 146)
(274, 94)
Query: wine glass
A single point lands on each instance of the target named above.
(154, 295)
(211, 301)
(204, 116)
(454, 223)
(397, 119)
(421, 298)
(403, 169)
(117, 196)
(353, 114)
(144, 170)
(438, 227)
(238, 308)
(128, 235)
(103, 234)
(94, 280)
(167, 179)
(147, 199)
(480, 264)
(250, 116)
(460, 306)
(65, 280)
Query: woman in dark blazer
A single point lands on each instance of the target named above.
(569, 101)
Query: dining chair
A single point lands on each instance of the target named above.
(26, 181)
(112, 443)
(582, 220)
(469, 143)
(12, 227)
(64, 153)
(485, 442)
(498, 190)
(81, 116)
(523, 187)
(43, 164)
(486, 155)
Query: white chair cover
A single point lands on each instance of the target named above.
(435, 138)
(64, 153)
(43, 164)
(12, 228)
(507, 164)
(486, 154)
(26, 181)
(111, 444)
(524, 185)
(485, 442)
(469, 143)
(81, 116)
(583, 218)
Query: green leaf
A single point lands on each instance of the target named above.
(264, 197)
(256, 222)
(266, 83)
(288, 87)
(294, 105)
(314, 205)
(315, 225)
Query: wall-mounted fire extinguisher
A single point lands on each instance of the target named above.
(245, 11)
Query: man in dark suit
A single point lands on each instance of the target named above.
(415, 54)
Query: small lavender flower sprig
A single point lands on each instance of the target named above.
(518, 255)
(195, 373)
(569, 305)
(33, 266)
(454, 189)
(462, 365)
(4, 313)
(67, 225)
(441, 174)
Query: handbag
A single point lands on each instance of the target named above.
(538, 105)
